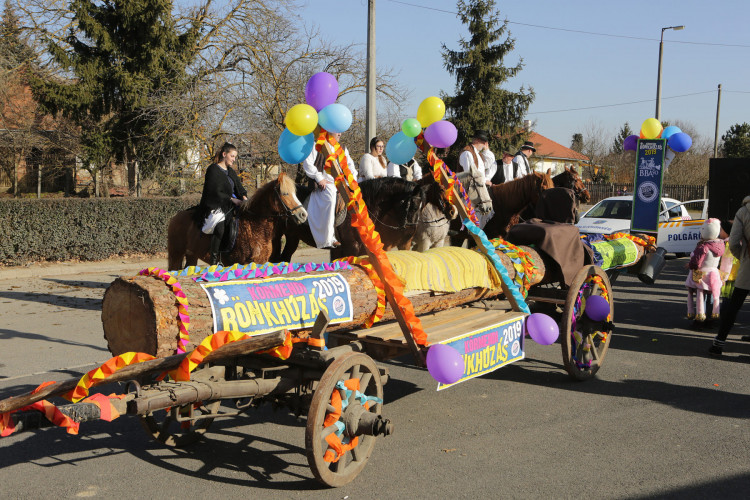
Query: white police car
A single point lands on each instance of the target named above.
(678, 231)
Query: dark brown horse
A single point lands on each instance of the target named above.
(394, 205)
(570, 179)
(259, 220)
(509, 200)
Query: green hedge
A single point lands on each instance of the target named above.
(85, 229)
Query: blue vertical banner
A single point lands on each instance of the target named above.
(649, 172)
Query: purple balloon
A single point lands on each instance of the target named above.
(321, 90)
(597, 308)
(630, 143)
(542, 329)
(441, 134)
(445, 364)
(680, 142)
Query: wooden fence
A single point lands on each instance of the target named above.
(681, 192)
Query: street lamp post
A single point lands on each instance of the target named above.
(658, 76)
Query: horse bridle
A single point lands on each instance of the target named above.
(405, 224)
(289, 211)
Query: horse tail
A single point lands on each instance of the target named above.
(176, 242)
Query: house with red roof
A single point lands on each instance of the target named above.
(550, 154)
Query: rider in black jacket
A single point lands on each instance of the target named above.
(222, 189)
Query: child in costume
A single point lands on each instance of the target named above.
(703, 272)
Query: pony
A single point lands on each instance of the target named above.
(570, 179)
(435, 219)
(258, 220)
(510, 198)
(394, 206)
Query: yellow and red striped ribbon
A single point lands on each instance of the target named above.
(105, 370)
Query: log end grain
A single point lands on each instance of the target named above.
(128, 318)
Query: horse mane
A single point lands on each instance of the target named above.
(386, 190)
(516, 190)
(259, 201)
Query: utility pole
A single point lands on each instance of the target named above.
(371, 113)
(658, 75)
(716, 132)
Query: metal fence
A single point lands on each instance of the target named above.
(681, 192)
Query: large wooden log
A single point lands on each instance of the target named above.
(139, 313)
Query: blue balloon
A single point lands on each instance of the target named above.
(295, 148)
(680, 142)
(335, 118)
(400, 148)
(669, 131)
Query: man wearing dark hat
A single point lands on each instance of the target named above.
(505, 170)
(521, 165)
(477, 155)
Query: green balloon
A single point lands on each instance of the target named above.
(411, 127)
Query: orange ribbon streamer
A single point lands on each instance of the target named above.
(336, 448)
(107, 369)
(51, 413)
(364, 263)
(363, 224)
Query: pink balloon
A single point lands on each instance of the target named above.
(321, 90)
(441, 134)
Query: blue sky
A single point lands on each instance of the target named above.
(567, 63)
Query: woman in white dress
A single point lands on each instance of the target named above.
(373, 164)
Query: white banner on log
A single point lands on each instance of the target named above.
(265, 305)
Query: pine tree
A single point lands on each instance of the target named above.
(736, 141)
(480, 102)
(121, 53)
(576, 144)
(625, 132)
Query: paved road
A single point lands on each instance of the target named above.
(660, 420)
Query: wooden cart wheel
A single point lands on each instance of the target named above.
(337, 415)
(165, 425)
(585, 342)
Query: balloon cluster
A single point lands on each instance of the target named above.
(677, 140)
(438, 133)
(297, 140)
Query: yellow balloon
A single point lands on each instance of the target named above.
(301, 119)
(431, 110)
(651, 128)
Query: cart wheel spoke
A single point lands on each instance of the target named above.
(365, 382)
(352, 461)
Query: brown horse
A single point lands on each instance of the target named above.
(509, 200)
(570, 179)
(259, 220)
